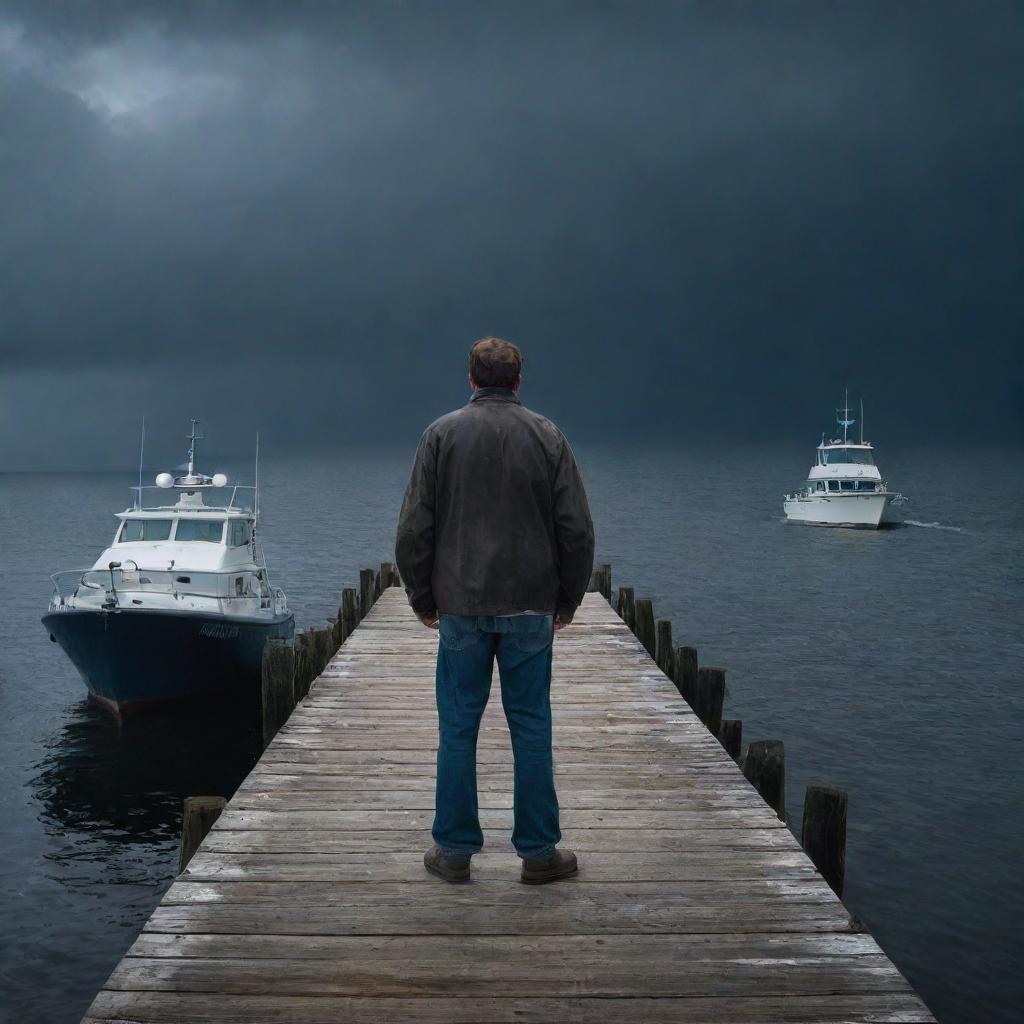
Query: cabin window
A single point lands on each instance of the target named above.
(145, 529)
(847, 457)
(239, 533)
(833, 485)
(209, 530)
(820, 485)
(239, 586)
(848, 485)
(864, 485)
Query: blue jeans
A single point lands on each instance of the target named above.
(465, 660)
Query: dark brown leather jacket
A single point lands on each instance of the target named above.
(495, 518)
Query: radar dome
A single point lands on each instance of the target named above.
(220, 480)
(164, 480)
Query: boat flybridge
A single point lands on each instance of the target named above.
(844, 487)
(181, 603)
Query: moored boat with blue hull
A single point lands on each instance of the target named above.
(132, 658)
(180, 605)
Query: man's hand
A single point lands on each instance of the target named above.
(430, 621)
(561, 621)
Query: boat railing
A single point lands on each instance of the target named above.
(236, 584)
(233, 498)
(66, 584)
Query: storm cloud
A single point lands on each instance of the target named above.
(698, 220)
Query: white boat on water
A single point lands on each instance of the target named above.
(844, 486)
(180, 605)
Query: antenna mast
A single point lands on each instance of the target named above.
(142, 450)
(862, 421)
(193, 437)
(256, 509)
(845, 422)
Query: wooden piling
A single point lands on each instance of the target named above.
(307, 642)
(388, 575)
(606, 581)
(366, 583)
(685, 672)
(626, 607)
(323, 640)
(339, 627)
(644, 628)
(823, 832)
(349, 612)
(304, 665)
(709, 697)
(277, 686)
(730, 735)
(765, 768)
(314, 649)
(200, 812)
(664, 654)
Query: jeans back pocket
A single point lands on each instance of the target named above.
(531, 633)
(458, 632)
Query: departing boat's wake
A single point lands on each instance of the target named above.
(932, 526)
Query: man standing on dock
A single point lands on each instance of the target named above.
(496, 546)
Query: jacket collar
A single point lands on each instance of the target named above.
(502, 394)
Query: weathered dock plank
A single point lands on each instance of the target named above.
(308, 902)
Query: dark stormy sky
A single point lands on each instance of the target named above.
(699, 220)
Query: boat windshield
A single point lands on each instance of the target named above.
(145, 529)
(209, 530)
(845, 457)
(239, 533)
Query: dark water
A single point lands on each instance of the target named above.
(889, 662)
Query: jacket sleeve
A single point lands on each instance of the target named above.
(414, 547)
(574, 534)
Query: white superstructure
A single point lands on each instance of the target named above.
(844, 486)
(180, 556)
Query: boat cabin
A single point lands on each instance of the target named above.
(234, 532)
(839, 454)
(843, 467)
(838, 486)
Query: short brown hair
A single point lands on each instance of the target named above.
(495, 363)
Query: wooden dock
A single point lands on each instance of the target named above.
(308, 901)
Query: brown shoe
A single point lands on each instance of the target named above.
(561, 865)
(449, 869)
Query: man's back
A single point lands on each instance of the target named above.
(495, 546)
(510, 530)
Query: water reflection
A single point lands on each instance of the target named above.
(110, 791)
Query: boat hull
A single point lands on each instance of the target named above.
(863, 511)
(133, 658)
